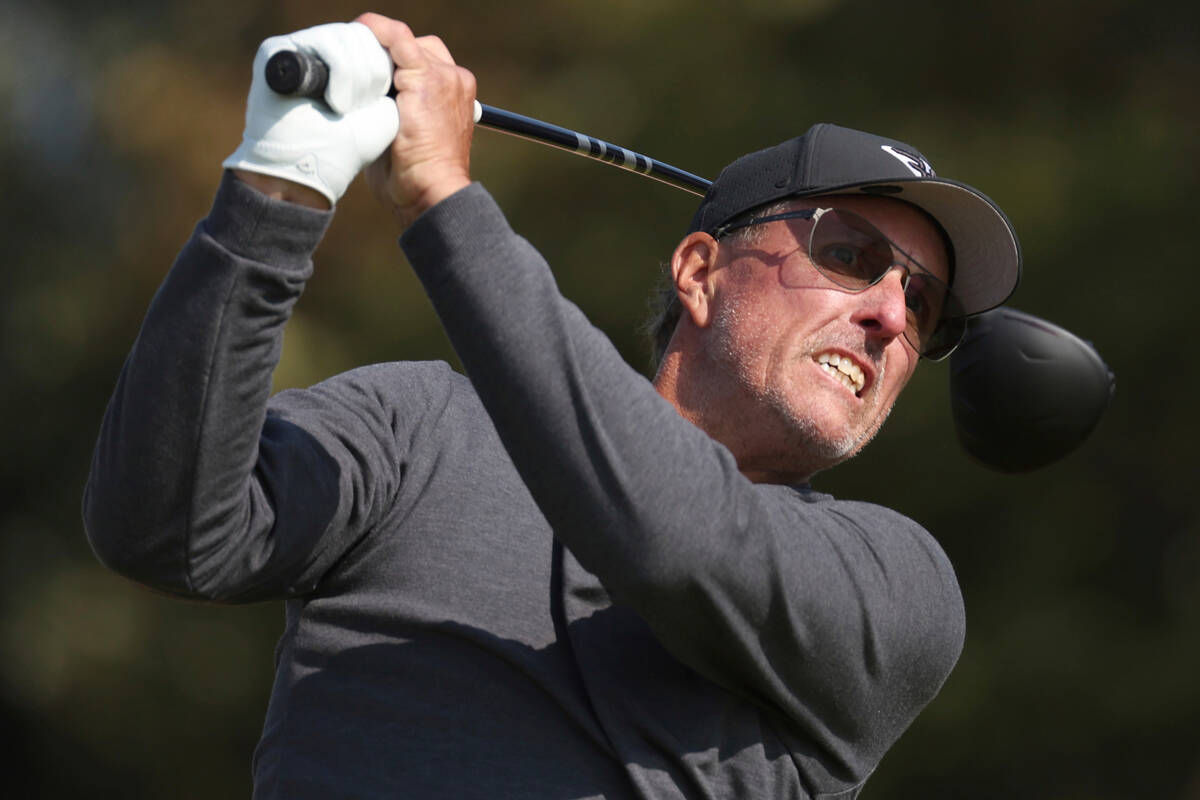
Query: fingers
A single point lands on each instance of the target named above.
(411, 53)
(435, 48)
(430, 155)
(408, 51)
(396, 37)
(386, 30)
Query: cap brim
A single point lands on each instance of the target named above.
(987, 255)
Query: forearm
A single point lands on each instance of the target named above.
(179, 439)
(578, 422)
(642, 498)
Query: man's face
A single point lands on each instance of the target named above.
(779, 326)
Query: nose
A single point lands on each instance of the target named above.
(882, 312)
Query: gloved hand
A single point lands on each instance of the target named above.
(321, 145)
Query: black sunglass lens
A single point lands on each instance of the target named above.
(926, 300)
(943, 333)
(854, 254)
(851, 251)
(945, 338)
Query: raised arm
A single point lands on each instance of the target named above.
(170, 496)
(196, 487)
(845, 617)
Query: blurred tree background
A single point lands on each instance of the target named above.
(1082, 580)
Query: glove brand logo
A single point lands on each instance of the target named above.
(916, 165)
(308, 164)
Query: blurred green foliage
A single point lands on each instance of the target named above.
(1082, 580)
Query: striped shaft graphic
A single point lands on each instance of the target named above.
(590, 147)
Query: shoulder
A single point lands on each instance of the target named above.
(393, 379)
(904, 539)
(884, 528)
(389, 392)
(412, 377)
(885, 556)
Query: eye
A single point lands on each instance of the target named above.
(922, 299)
(916, 304)
(843, 258)
(843, 254)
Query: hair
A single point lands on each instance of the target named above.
(664, 305)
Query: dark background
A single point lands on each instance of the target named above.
(1082, 580)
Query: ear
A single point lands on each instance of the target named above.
(692, 266)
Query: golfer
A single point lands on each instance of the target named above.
(550, 577)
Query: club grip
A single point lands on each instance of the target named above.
(292, 72)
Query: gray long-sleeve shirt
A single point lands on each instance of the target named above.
(538, 582)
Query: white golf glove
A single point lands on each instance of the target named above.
(321, 145)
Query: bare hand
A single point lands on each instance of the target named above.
(430, 157)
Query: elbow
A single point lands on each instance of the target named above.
(125, 540)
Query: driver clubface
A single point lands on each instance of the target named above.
(1025, 392)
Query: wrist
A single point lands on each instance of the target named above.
(429, 197)
(283, 189)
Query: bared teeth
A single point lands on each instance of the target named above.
(844, 369)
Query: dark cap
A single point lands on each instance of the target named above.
(833, 160)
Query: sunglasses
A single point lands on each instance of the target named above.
(855, 255)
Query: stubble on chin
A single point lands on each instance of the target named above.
(822, 448)
(813, 443)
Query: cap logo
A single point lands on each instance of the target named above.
(917, 165)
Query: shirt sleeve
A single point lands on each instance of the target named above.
(846, 617)
(200, 484)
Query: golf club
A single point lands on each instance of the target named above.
(293, 72)
(1024, 392)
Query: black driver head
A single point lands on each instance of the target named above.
(1025, 392)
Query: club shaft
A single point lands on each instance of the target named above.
(536, 130)
(294, 72)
